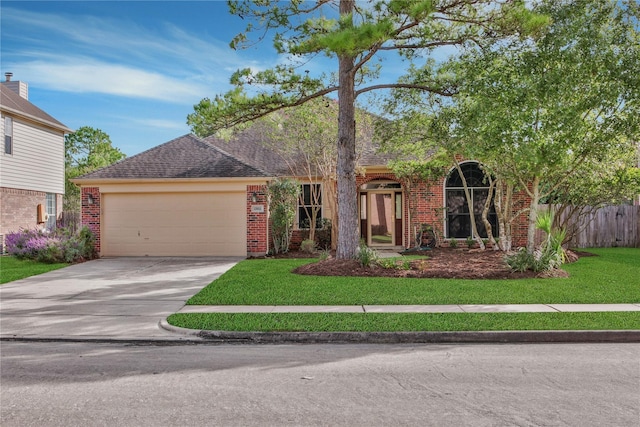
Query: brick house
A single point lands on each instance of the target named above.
(31, 162)
(205, 196)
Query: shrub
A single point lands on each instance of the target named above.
(453, 243)
(58, 246)
(325, 254)
(470, 242)
(366, 255)
(550, 255)
(394, 263)
(283, 198)
(521, 260)
(308, 246)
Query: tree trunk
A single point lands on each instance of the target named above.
(485, 212)
(347, 193)
(503, 202)
(533, 215)
(472, 215)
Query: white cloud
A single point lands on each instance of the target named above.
(162, 124)
(88, 75)
(117, 57)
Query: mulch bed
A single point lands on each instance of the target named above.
(445, 263)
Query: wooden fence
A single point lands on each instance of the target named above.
(606, 227)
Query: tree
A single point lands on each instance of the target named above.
(86, 150)
(305, 137)
(612, 178)
(357, 34)
(537, 111)
(541, 109)
(283, 195)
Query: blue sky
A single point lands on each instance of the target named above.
(133, 69)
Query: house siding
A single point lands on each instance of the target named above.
(257, 222)
(37, 162)
(18, 210)
(91, 212)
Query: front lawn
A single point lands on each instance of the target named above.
(12, 268)
(611, 277)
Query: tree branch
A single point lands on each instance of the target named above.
(442, 92)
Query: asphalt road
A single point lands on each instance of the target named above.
(88, 384)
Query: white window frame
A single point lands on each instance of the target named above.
(52, 205)
(8, 136)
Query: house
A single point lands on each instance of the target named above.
(206, 196)
(31, 162)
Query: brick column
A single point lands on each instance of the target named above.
(257, 221)
(91, 211)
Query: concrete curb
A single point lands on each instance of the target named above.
(601, 336)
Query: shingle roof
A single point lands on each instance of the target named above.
(185, 157)
(14, 103)
(249, 147)
(245, 155)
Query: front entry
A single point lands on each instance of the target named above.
(381, 213)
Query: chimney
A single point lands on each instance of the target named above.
(21, 88)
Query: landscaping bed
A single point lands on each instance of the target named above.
(445, 263)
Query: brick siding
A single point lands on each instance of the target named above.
(18, 210)
(91, 211)
(257, 235)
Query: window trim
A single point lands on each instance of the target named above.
(51, 203)
(300, 205)
(8, 136)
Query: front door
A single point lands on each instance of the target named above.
(381, 217)
(381, 223)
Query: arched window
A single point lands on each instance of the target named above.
(458, 213)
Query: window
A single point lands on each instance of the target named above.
(8, 135)
(458, 212)
(52, 211)
(310, 199)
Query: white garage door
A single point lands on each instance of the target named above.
(174, 224)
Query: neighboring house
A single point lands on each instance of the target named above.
(204, 196)
(31, 162)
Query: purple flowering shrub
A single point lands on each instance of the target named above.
(60, 245)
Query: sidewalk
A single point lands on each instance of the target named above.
(510, 308)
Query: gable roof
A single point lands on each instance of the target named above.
(188, 156)
(13, 103)
(185, 157)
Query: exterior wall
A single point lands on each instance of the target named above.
(18, 209)
(426, 204)
(91, 211)
(37, 162)
(257, 221)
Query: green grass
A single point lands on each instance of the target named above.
(12, 268)
(409, 322)
(611, 277)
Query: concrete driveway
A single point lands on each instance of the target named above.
(109, 298)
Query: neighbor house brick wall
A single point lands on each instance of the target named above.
(257, 222)
(91, 211)
(18, 209)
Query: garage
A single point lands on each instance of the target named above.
(174, 224)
